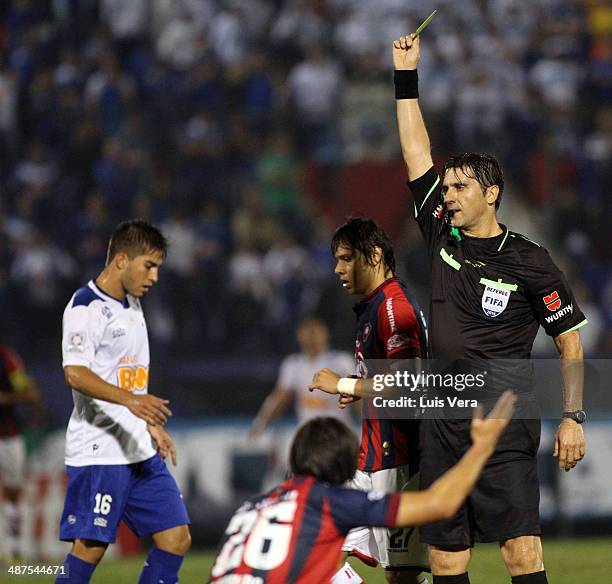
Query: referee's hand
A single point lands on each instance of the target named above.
(570, 445)
(406, 53)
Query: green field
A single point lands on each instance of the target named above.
(567, 562)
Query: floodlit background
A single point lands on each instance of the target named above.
(248, 129)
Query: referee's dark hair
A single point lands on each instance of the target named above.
(326, 449)
(136, 237)
(483, 168)
(365, 235)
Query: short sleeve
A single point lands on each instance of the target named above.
(550, 294)
(427, 204)
(286, 374)
(82, 332)
(398, 329)
(352, 508)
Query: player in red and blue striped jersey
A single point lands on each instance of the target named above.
(16, 387)
(390, 327)
(293, 533)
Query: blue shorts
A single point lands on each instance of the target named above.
(144, 495)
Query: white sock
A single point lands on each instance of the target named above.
(346, 575)
(12, 514)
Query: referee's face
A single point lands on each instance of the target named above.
(464, 197)
(354, 273)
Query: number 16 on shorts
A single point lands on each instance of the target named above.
(102, 507)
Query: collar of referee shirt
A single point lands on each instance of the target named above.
(497, 242)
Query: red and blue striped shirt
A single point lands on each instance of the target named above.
(293, 534)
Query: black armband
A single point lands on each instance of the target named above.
(406, 84)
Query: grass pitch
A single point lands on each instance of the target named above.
(567, 562)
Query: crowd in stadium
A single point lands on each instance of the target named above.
(207, 116)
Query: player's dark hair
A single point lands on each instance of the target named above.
(136, 237)
(326, 449)
(483, 168)
(365, 235)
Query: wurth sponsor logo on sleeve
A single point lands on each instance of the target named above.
(565, 311)
(552, 301)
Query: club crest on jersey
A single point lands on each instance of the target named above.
(494, 301)
(397, 341)
(76, 343)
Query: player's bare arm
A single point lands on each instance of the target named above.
(570, 446)
(447, 494)
(352, 388)
(150, 408)
(163, 441)
(333, 383)
(274, 405)
(414, 139)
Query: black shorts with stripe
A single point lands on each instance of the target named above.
(505, 501)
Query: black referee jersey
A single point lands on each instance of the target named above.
(488, 295)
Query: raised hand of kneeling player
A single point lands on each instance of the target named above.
(486, 432)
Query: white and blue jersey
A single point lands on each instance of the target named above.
(109, 337)
(114, 472)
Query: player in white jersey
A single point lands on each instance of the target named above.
(295, 376)
(116, 441)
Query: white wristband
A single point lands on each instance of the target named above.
(347, 385)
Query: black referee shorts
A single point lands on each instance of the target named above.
(505, 502)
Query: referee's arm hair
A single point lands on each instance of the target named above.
(414, 139)
(444, 497)
(570, 444)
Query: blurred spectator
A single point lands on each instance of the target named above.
(179, 268)
(180, 42)
(252, 222)
(35, 170)
(42, 273)
(235, 124)
(314, 91)
(278, 175)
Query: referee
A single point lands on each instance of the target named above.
(491, 290)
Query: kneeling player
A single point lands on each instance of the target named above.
(294, 532)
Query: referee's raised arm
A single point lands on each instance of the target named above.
(416, 149)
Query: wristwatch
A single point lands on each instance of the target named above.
(579, 416)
